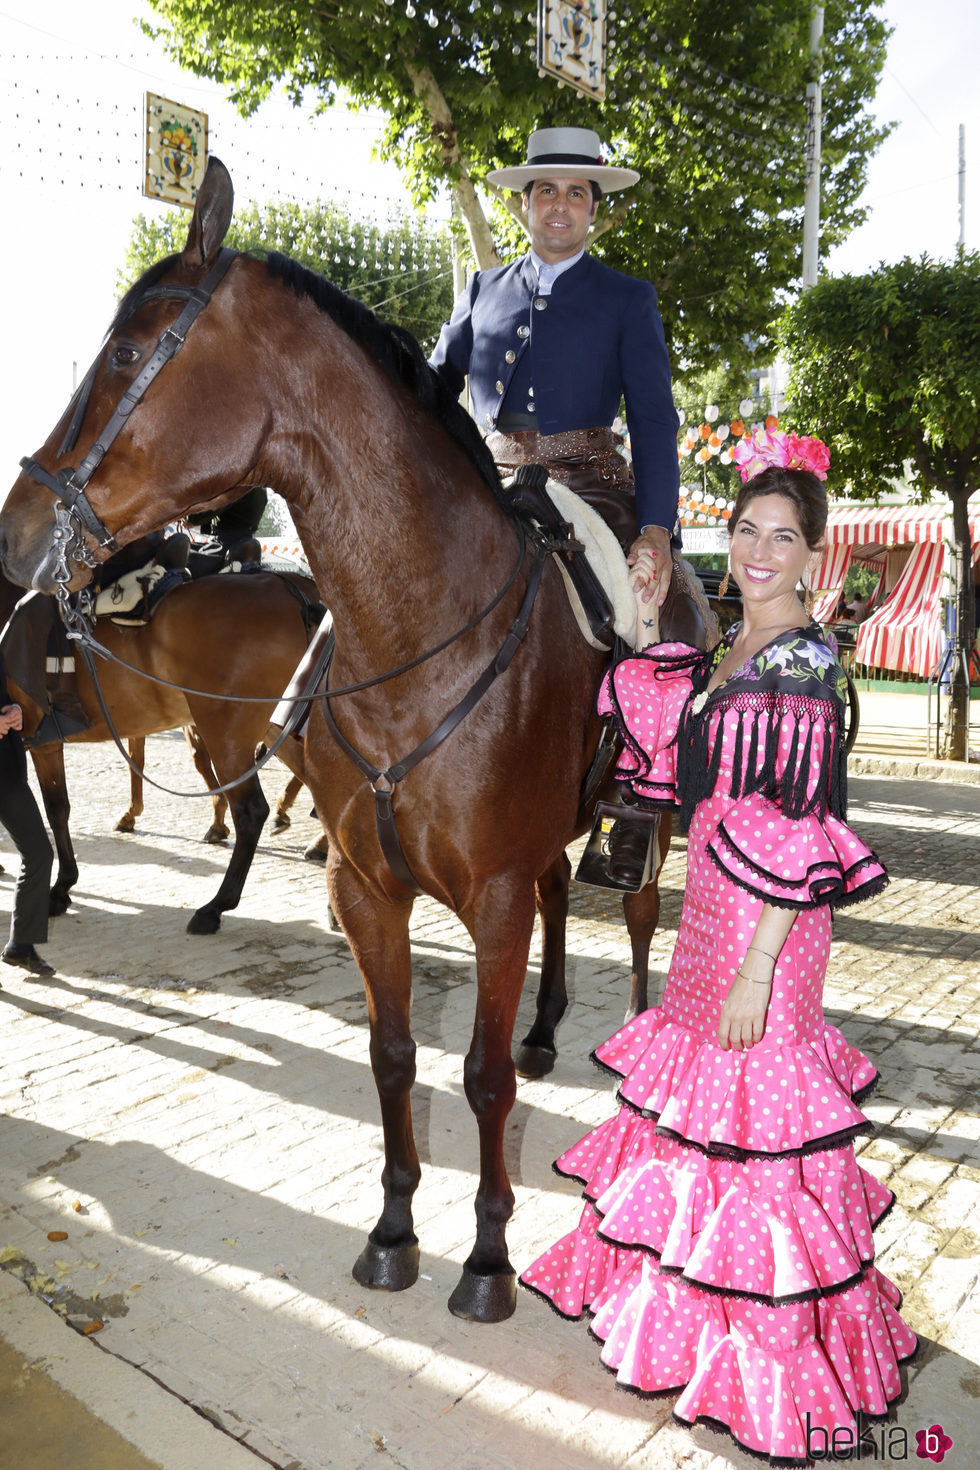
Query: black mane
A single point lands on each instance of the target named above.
(397, 352)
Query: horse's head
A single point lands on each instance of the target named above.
(125, 457)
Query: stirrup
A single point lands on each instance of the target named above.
(593, 868)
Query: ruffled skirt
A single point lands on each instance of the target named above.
(725, 1248)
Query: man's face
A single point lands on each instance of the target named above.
(559, 213)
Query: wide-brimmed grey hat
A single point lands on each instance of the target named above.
(564, 153)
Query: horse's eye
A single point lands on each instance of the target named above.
(124, 355)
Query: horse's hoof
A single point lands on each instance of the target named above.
(216, 835)
(280, 823)
(314, 855)
(126, 824)
(484, 1298)
(58, 903)
(205, 921)
(387, 1267)
(535, 1061)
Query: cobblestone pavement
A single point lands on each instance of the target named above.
(197, 1115)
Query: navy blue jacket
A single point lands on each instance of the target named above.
(596, 340)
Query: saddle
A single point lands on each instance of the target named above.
(129, 587)
(134, 597)
(585, 550)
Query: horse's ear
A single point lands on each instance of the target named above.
(212, 215)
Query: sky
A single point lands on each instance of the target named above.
(72, 84)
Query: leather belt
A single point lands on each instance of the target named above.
(585, 446)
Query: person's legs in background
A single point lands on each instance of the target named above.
(29, 920)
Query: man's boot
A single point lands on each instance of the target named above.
(627, 846)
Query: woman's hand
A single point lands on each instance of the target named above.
(643, 582)
(649, 559)
(742, 1021)
(643, 569)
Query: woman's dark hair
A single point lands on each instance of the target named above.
(807, 493)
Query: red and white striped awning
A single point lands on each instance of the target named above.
(906, 632)
(828, 581)
(894, 525)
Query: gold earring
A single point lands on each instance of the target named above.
(808, 600)
(723, 584)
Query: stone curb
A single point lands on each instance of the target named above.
(108, 1390)
(914, 768)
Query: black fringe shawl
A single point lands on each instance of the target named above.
(769, 694)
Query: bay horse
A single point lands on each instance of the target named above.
(240, 635)
(435, 591)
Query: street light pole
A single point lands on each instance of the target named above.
(811, 196)
(962, 188)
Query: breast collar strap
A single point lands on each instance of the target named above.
(68, 485)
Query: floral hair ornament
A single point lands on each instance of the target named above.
(766, 447)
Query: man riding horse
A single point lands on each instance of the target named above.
(552, 344)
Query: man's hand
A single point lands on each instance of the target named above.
(652, 586)
(11, 718)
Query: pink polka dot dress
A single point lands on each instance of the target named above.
(725, 1248)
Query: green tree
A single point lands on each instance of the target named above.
(704, 96)
(403, 271)
(886, 367)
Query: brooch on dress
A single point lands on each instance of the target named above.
(699, 701)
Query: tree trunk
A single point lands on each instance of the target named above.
(477, 224)
(446, 135)
(958, 716)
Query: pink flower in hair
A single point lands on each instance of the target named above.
(756, 452)
(809, 454)
(768, 447)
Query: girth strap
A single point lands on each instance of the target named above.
(383, 782)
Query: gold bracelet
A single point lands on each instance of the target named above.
(754, 949)
(751, 980)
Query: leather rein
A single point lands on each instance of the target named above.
(74, 516)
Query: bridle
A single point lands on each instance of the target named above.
(73, 513)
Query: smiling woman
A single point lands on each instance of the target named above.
(738, 1102)
(775, 537)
